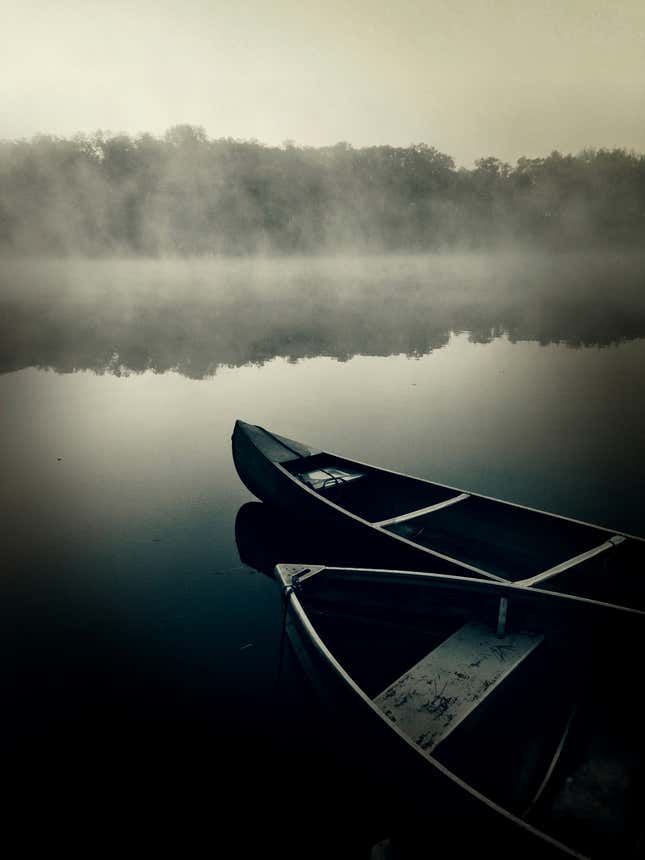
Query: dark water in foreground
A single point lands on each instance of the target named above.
(144, 689)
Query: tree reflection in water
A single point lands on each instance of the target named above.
(194, 316)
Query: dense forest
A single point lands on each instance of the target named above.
(188, 194)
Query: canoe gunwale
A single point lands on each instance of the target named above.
(506, 589)
(475, 495)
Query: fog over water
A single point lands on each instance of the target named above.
(197, 316)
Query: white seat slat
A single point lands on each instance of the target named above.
(430, 700)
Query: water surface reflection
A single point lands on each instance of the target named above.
(194, 317)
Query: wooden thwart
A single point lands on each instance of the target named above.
(572, 562)
(442, 689)
(412, 514)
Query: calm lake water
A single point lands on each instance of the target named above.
(144, 682)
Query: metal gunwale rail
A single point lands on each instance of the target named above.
(487, 498)
(381, 573)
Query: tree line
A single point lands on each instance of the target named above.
(185, 193)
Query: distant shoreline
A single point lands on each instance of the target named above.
(188, 195)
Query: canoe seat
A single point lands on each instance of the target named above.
(442, 689)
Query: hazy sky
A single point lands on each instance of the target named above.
(471, 77)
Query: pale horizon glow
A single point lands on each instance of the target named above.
(474, 79)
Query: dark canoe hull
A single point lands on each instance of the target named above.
(258, 471)
(463, 534)
(433, 809)
(264, 478)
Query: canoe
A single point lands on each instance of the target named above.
(406, 522)
(501, 719)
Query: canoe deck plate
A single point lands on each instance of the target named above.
(320, 478)
(287, 573)
(435, 695)
(276, 448)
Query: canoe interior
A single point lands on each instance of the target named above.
(514, 543)
(572, 706)
(508, 541)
